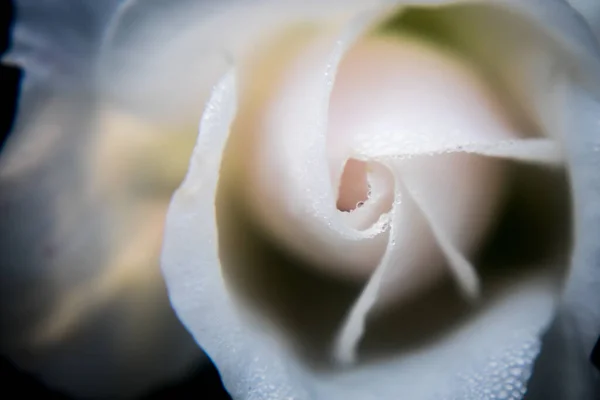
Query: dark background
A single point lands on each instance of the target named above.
(202, 381)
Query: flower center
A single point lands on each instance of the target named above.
(354, 188)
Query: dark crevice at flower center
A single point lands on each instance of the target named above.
(354, 188)
(536, 224)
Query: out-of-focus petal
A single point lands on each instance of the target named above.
(56, 41)
(83, 302)
(564, 369)
(590, 9)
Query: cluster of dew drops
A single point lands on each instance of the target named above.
(503, 378)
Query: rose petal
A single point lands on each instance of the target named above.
(294, 88)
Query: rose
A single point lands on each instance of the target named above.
(262, 122)
(135, 91)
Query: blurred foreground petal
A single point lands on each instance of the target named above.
(83, 302)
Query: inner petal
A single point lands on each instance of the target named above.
(398, 96)
(279, 157)
(354, 186)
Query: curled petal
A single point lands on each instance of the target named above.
(82, 290)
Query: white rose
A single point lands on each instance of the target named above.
(292, 110)
(271, 152)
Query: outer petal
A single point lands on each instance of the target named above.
(575, 322)
(590, 9)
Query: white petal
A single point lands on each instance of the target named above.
(279, 157)
(590, 9)
(572, 335)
